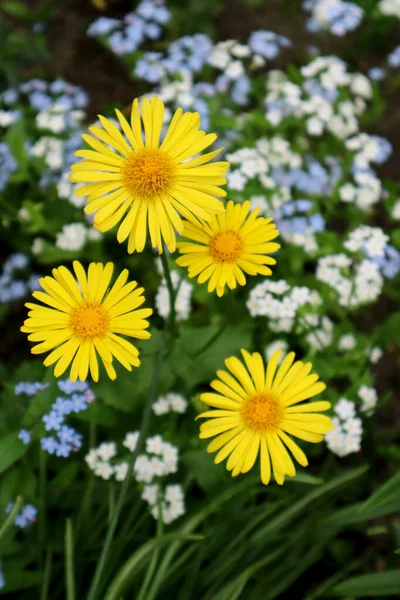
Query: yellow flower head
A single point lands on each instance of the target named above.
(229, 245)
(135, 180)
(257, 408)
(82, 318)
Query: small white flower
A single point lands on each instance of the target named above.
(130, 440)
(345, 409)
(107, 450)
(121, 471)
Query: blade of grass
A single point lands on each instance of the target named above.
(69, 561)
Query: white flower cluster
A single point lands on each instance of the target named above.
(317, 99)
(347, 342)
(8, 117)
(51, 149)
(322, 334)
(182, 300)
(74, 236)
(274, 346)
(256, 162)
(171, 402)
(66, 189)
(367, 149)
(279, 302)
(160, 460)
(58, 119)
(346, 436)
(227, 57)
(355, 283)
(390, 7)
(375, 354)
(371, 240)
(364, 193)
(369, 399)
(171, 501)
(396, 210)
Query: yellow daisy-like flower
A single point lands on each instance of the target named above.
(83, 318)
(229, 245)
(258, 409)
(137, 180)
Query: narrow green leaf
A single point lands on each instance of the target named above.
(69, 561)
(11, 450)
(10, 519)
(387, 494)
(370, 585)
(126, 572)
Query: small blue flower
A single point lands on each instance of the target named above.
(268, 43)
(376, 73)
(78, 403)
(25, 436)
(394, 58)
(66, 434)
(49, 444)
(29, 513)
(52, 421)
(64, 450)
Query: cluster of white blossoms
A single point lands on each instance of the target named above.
(160, 460)
(346, 436)
(228, 55)
(274, 346)
(58, 119)
(364, 192)
(279, 302)
(322, 334)
(250, 163)
(356, 283)
(369, 399)
(170, 502)
(8, 117)
(372, 241)
(183, 298)
(171, 402)
(368, 149)
(318, 99)
(347, 342)
(390, 7)
(74, 236)
(51, 150)
(396, 210)
(66, 189)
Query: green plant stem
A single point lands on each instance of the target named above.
(44, 594)
(42, 512)
(10, 519)
(154, 559)
(69, 561)
(171, 292)
(169, 328)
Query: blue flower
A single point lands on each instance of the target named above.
(10, 96)
(62, 406)
(376, 73)
(149, 67)
(267, 43)
(66, 434)
(102, 26)
(68, 387)
(52, 421)
(8, 165)
(49, 444)
(394, 57)
(78, 403)
(25, 436)
(64, 450)
(2, 580)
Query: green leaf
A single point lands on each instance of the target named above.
(17, 9)
(370, 585)
(201, 465)
(126, 572)
(387, 494)
(21, 580)
(11, 450)
(40, 404)
(98, 414)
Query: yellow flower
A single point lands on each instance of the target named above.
(256, 410)
(229, 244)
(137, 180)
(82, 318)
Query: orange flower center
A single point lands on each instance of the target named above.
(262, 412)
(226, 246)
(148, 173)
(90, 321)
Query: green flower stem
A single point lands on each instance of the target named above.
(154, 559)
(170, 327)
(10, 519)
(171, 292)
(69, 561)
